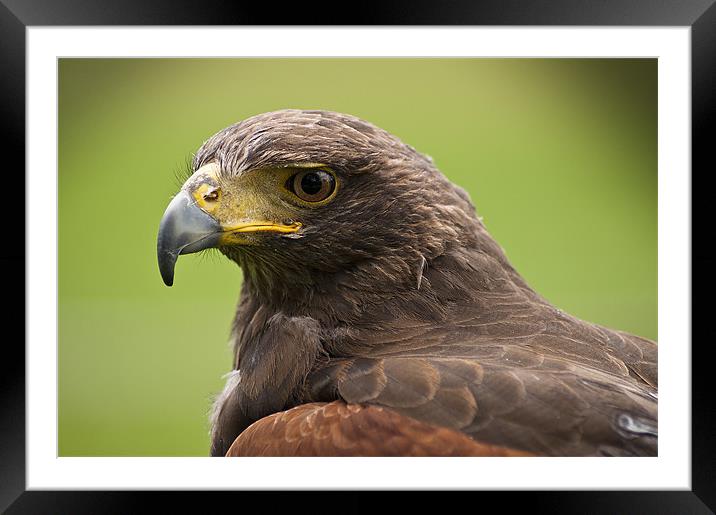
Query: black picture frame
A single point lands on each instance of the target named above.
(700, 15)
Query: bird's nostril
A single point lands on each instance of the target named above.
(211, 195)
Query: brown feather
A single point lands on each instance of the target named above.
(340, 429)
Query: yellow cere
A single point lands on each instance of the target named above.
(206, 197)
(242, 200)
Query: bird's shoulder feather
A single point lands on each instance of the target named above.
(523, 396)
(340, 429)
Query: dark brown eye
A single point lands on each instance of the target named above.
(313, 185)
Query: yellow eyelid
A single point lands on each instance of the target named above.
(306, 165)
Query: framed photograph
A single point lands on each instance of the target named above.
(561, 141)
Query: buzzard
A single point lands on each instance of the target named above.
(378, 317)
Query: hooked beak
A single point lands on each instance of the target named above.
(185, 228)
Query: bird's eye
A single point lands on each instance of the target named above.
(312, 185)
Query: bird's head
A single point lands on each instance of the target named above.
(299, 199)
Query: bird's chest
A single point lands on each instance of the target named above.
(274, 360)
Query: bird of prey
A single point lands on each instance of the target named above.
(378, 317)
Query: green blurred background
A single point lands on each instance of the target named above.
(559, 156)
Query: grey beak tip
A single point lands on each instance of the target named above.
(166, 267)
